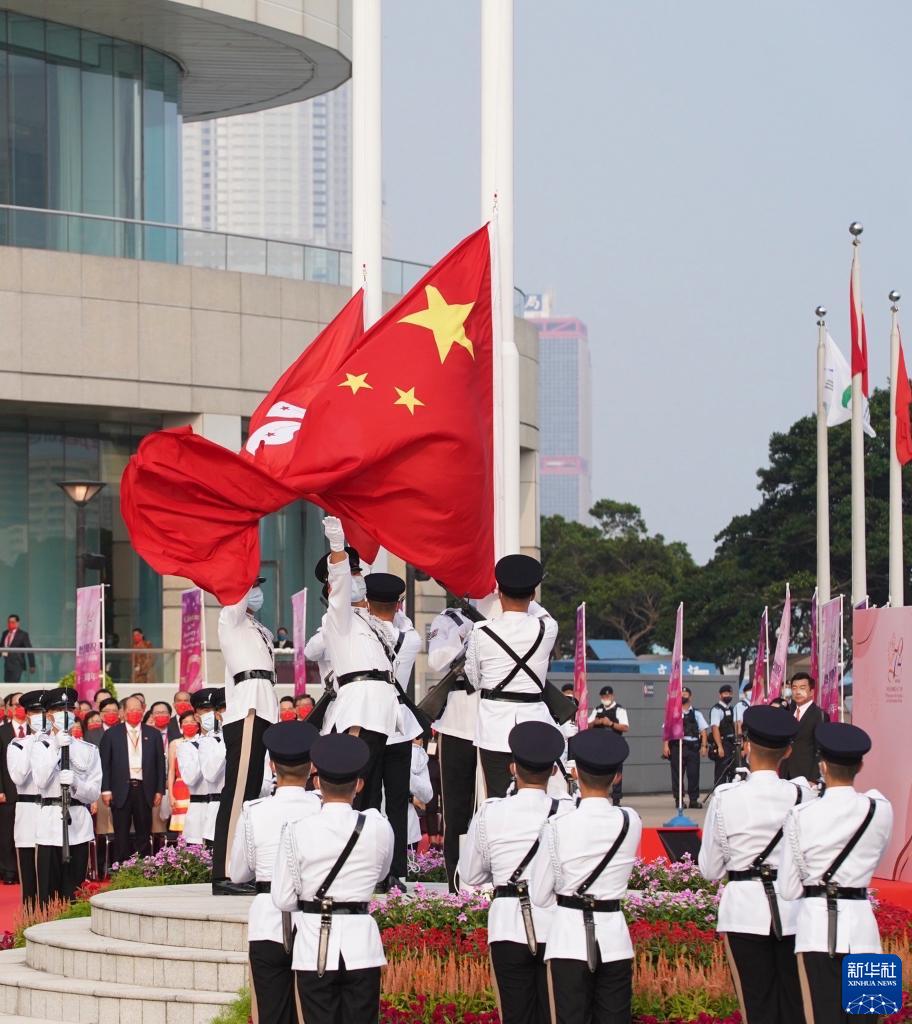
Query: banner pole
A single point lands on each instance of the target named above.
(859, 560)
(897, 588)
(823, 468)
(841, 658)
(680, 776)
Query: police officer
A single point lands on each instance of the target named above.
(315, 648)
(742, 838)
(252, 707)
(507, 662)
(194, 730)
(583, 866)
(610, 715)
(19, 765)
(327, 868)
(722, 726)
(212, 758)
(253, 856)
(830, 852)
(693, 747)
(502, 841)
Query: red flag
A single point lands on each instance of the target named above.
(673, 726)
(901, 411)
(859, 331)
(398, 441)
(580, 685)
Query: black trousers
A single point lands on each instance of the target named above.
(8, 869)
(691, 770)
(12, 672)
(136, 811)
(56, 878)
(339, 997)
(458, 759)
(521, 982)
(765, 973)
(725, 768)
(821, 989)
(372, 794)
(245, 758)
(272, 997)
(617, 789)
(581, 996)
(28, 873)
(495, 765)
(396, 768)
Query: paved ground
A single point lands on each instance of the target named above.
(655, 810)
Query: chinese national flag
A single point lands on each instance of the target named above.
(397, 439)
(903, 401)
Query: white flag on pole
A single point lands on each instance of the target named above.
(837, 389)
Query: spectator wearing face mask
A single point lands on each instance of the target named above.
(283, 640)
(159, 718)
(182, 705)
(287, 711)
(304, 705)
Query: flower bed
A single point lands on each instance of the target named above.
(426, 866)
(181, 864)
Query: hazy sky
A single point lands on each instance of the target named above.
(685, 176)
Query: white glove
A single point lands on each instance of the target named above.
(332, 527)
(465, 630)
(63, 739)
(65, 778)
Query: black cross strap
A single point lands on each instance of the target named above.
(521, 662)
(533, 849)
(851, 844)
(606, 860)
(774, 842)
(343, 857)
(453, 616)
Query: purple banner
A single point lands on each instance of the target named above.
(580, 687)
(673, 727)
(89, 641)
(780, 661)
(299, 638)
(830, 657)
(193, 643)
(758, 687)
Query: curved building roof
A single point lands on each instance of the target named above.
(237, 55)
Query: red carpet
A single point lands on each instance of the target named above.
(889, 891)
(9, 905)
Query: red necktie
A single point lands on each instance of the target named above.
(21, 732)
(798, 712)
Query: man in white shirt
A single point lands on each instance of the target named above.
(802, 762)
(610, 715)
(326, 870)
(502, 841)
(831, 849)
(253, 857)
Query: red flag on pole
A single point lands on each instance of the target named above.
(580, 687)
(673, 727)
(761, 668)
(901, 411)
(859, 331)
(780, 660)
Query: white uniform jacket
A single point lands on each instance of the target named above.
(815, 834)
(450, 632)
(212, 764)
(315, 650)
(19, 765)
(85, 763)
(191, 771)
(256, 844)
(409, 648)
(307, 853)
(246, 645)
(419, 787)
(571, 848)
(499, 837)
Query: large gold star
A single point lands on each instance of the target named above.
(356, 381)
(408, 399)
(446, 322)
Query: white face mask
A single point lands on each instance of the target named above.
(36, 722)
(255, 599)
(787, 692)
(207, 721)
(63, 720)
(359, 589)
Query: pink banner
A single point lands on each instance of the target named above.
(758, 687)
(299, 639)
(193, 644)
(815, 641)
(780, 661)
(89, 641)
(580, 685)
(830, 657)
(673, 727)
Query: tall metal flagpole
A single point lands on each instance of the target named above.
(859, 561)
(897, 595)
(823, 466)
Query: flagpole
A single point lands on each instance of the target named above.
(823, 465)
(897, 595)
(767, 626)
(859, 562)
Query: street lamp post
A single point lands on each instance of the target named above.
(81, 492)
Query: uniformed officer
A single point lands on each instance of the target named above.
(253, 856)
(583, 866)
(315, 648)
(693, 747)
(830, 852)
(83, 781)
(741, 705)
(19, 765)
(193, 731)
(722, 727)
(212, 758)
(742, 838)
(610, 715)
(503, 840)
(507, 662)
(326, 870)
(247, 646)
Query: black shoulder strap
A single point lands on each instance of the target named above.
(852, 843)
(521, 663)
(343, 857)
(400, 640)
(774, 842)
(454, 616)
(533, 849)
(606, 860)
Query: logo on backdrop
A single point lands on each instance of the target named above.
(872, 983)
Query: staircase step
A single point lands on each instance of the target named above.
(73, 950)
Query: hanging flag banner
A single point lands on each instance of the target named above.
(193, 640)
(580, 686)
(298, 638)
(837, 389)
(780, 660)
(673, 727)
(761, 668)
(830, 657)
(815, 645)
(89, 641)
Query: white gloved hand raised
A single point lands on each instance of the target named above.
(63, 739)
(332, 527)
(65, 778)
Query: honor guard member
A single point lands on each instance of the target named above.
(693, 747)
(202, 703)
(315, 648)
(583, 866)
(742, 839)
(212, 759)
(502, 842)
(19, 765)
(252, 707)
(507, 662)
(831, 849)
(367, 702)
(62, 843)
(326, 870)
(610, 715)
(722, 727)
(253, 857)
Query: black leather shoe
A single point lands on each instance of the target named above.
(225, 887)
(382, 886)
(396, 883)
(695, 805)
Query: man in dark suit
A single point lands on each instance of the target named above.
(8, 730)
(132, 778)
(803, 759)
(14, 640)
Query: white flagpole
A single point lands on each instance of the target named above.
(767, 626)
(897, 590)
(841, 658)
(859, 561)
(823, 466)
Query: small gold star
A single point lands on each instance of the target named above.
(408, 399)
(445, 321)
(356, 381)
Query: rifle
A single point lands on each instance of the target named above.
(435, 699)
(65, 806)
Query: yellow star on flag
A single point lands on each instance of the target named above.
(408, 399)
(445, 321)
(356, 381)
